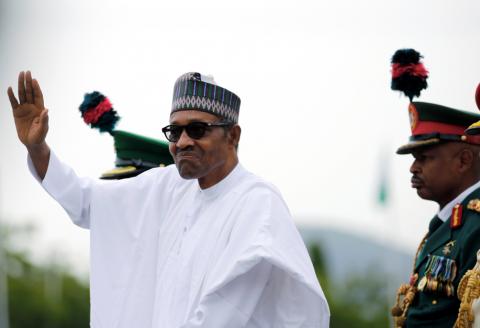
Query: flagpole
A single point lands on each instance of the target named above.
(385, 212)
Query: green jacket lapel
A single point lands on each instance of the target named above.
(436, 240)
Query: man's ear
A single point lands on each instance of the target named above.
(466, 158)
(234, 135)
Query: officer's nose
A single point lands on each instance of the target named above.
(414, 168)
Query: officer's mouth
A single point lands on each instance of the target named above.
(416, 182)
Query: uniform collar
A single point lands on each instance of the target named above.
(446, 211)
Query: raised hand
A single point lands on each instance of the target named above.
(31, 120)
(30, 114)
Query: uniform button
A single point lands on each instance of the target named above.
(434, 302)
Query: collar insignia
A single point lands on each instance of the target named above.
(456, 219)
(447, 249)
(474, 205)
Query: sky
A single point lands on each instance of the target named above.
(318, 117)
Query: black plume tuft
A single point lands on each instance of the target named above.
(408, 73)
(406, 56)
(97, 111)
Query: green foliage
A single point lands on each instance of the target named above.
(318, 261)
(359, 302)
(48, 296)
(44, 295)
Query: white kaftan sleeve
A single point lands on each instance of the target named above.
(73, 193)
(233, 305)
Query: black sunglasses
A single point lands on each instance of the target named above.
(195, 130)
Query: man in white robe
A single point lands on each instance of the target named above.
(204, 243)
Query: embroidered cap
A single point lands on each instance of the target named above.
(194, 91)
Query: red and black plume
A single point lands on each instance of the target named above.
(408, 73)
(97, 111)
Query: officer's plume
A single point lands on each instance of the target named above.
(97, 111)
(408, 73)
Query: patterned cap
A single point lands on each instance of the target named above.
(193, 91)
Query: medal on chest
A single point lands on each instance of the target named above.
(440, 272)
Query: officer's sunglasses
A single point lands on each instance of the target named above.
(195, 130)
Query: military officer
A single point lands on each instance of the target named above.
(469, 287)
(446, 170)
(135, 153)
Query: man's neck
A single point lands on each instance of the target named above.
(218, 174)
(458, 192)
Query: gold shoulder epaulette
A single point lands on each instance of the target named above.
(474, 204)
(468, 291)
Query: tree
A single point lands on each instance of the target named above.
(359, 302)
(43, 295)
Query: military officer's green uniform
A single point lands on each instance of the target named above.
(469, 287)
(449, 251)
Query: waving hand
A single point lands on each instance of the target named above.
(31, 117)
(31, 120)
